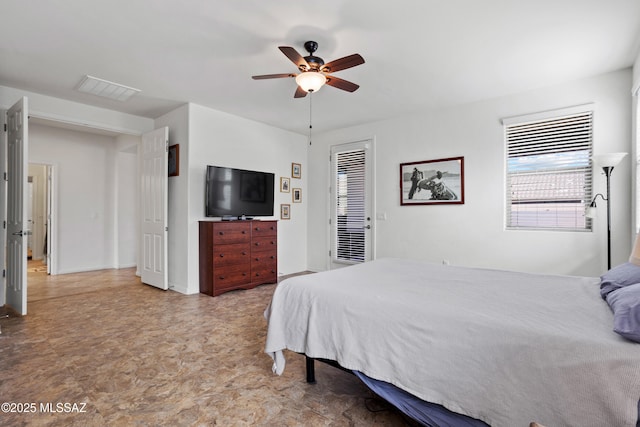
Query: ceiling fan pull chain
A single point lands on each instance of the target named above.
(310, 115)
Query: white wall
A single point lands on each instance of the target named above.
(473, 234)
(83, 166)
(216, 138)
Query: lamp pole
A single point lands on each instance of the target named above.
(607, 173)
(607, 162)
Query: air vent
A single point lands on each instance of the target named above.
(106, 89)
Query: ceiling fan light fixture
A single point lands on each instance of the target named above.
(311, 81)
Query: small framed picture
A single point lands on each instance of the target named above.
(285, 211)
(284, 184)
(297, 195)
(174, 160)
(296, 170)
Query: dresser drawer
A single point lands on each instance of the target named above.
(264, 228)
(232, 232)
(236, 253)
(264, 274)
(266, 258)
(265, 243)
(231, 275)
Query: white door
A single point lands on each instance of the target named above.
(154, 176)
(17, 167)
(3, 208)
(352, 227)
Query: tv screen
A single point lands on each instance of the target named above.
(235, 192)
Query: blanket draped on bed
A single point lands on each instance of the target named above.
(504, 347)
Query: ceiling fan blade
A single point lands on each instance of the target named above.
(343, 63)
(295, 57)
(300, 93)
(342, 84)
(272, 76)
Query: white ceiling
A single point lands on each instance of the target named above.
(419, 53)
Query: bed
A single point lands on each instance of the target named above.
(497, 347)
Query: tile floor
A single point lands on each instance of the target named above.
(127, 354)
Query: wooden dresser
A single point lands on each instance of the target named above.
(237, 255)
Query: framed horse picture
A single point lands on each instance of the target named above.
(432, 182)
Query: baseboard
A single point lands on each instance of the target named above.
(127, 265)
(84, 270)
(182, 290)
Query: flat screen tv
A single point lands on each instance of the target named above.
(233, 193)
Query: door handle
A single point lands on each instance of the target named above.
(22, 233)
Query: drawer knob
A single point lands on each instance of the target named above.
(257, 228)
(244, 232)
(221, 233)
(221, 255)
(257, 243)
(244, 252)
(221, 277)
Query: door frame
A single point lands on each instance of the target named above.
(53, 120)
(369, 144)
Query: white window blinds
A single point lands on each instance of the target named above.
(549, 172)
(350, 206)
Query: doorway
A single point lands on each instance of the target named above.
(352, 205)
(96, 209)
(40, 219)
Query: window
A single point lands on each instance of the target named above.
(350, 206)
(549, 170)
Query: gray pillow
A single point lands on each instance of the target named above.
(618, 277)
(625, 303)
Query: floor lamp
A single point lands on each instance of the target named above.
(607, 162)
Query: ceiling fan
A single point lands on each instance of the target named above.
(314, 73)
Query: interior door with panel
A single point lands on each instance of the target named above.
(3, 208)
(17, 168)
(351, 204)
(154, 175)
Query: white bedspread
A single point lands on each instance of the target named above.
(504, 347)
